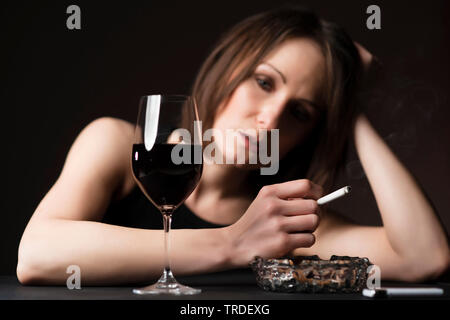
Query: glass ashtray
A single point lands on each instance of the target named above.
(340, 274)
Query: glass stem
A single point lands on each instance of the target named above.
(167, 276)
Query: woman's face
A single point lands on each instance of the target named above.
(281, 94)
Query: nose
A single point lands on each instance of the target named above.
(269, 116)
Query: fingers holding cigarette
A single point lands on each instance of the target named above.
(302, 188)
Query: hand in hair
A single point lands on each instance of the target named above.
(366, 56)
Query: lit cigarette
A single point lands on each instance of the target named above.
(334, 195)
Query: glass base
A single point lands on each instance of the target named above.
(177, 289)
(167, 285)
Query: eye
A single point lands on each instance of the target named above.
(299, 111)
(264, 83)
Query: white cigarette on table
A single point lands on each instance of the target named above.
(383, 292)
(334, 195)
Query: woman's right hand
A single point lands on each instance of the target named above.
(281, 218)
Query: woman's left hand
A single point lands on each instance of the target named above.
(366, 56)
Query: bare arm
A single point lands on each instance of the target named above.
(411, 245)
(64, 230)
(108, 254)
(410, 223)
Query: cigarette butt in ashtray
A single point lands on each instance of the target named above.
(334, 195)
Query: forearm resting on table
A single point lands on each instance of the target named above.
(410, 223)
(109, 254)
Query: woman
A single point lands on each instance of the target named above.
(283, 69)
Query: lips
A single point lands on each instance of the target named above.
(251, 142)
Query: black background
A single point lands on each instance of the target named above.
(55, 81)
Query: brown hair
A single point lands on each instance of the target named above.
(242, 48)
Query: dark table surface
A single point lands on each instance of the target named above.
(236, 285)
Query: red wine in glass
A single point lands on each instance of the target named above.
(164, 182)
(165, 161)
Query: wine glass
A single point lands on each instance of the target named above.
(167, 165)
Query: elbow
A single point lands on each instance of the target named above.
(22, 269)
(30, 271)
(27, 270)
(24, 274)
(32, 266)
(428, 269)
(39, 262)
(440, 267)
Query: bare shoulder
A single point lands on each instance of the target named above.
(115, 127)
(118, 134)
(97, 170)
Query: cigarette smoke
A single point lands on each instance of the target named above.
(402, 108)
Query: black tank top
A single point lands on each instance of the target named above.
(136, 211)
